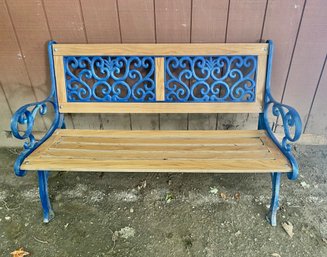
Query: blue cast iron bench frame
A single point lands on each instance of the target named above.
(162, 78)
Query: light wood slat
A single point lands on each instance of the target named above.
(160, 79)
(160, 49)
(161, 151)
(92, 107)
(149, 155)
(261, 79)
(213, 148)
(161, 133)
(60, 79)
(162, 141)
(222, 166)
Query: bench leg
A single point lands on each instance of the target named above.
(271, 216)
(44, 196)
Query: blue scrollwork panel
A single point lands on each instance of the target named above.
(109, 79)
(210, 79)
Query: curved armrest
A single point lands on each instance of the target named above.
(292, 125)
(22, 124)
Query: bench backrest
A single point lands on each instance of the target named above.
(160, 78)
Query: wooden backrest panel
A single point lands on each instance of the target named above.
(160, 78)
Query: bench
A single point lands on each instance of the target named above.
(158, 78)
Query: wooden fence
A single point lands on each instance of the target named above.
(298, 28)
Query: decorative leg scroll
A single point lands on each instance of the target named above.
(44, 196)
(271, 216)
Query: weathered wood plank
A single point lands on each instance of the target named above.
(101, 21)
(14, 78)
(5, 111)
(308, 59)
(173, 21)
(281, 25)
(209, 20)
(245, 20)
(317, 121)
(136, 21)
(66, 26)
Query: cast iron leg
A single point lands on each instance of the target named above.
(271, 216)
(44, 196)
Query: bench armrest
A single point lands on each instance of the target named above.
(292, 126)
(22, 124)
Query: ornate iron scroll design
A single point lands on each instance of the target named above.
(292, 123)
(109, 79)
(210, 79)
(22, 122)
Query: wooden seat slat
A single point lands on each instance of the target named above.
(134, 154)
(200, 166)
(164, 151)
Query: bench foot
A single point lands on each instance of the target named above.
(48, 213)
(271, 216)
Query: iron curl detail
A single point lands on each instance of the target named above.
(292, 127)
(109, 79)
(22, 124)
(210, 79)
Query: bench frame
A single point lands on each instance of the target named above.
(26, 115)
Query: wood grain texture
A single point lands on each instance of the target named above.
(281, 25)
(101, 21)
(175, 49)
(160, 78)
(308, 59)
(136, 21)
(245, 20)
(14, 78)
(317, 121)
(209, 20)
(33, 35)
(93, 107)
(173, 21)
(175, 151)
(66, 25)
(5, 112)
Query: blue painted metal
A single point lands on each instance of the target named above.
(22, 121)
(288, 115)
(110, 79)
(210, 78)
(272, 214)
(48, 213)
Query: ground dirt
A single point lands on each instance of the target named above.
(152, 214)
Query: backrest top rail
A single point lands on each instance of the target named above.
(160, 49)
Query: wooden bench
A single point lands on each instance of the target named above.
(158, 78)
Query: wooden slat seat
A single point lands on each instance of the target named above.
(159, 151)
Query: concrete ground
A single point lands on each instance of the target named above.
(151, 214)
